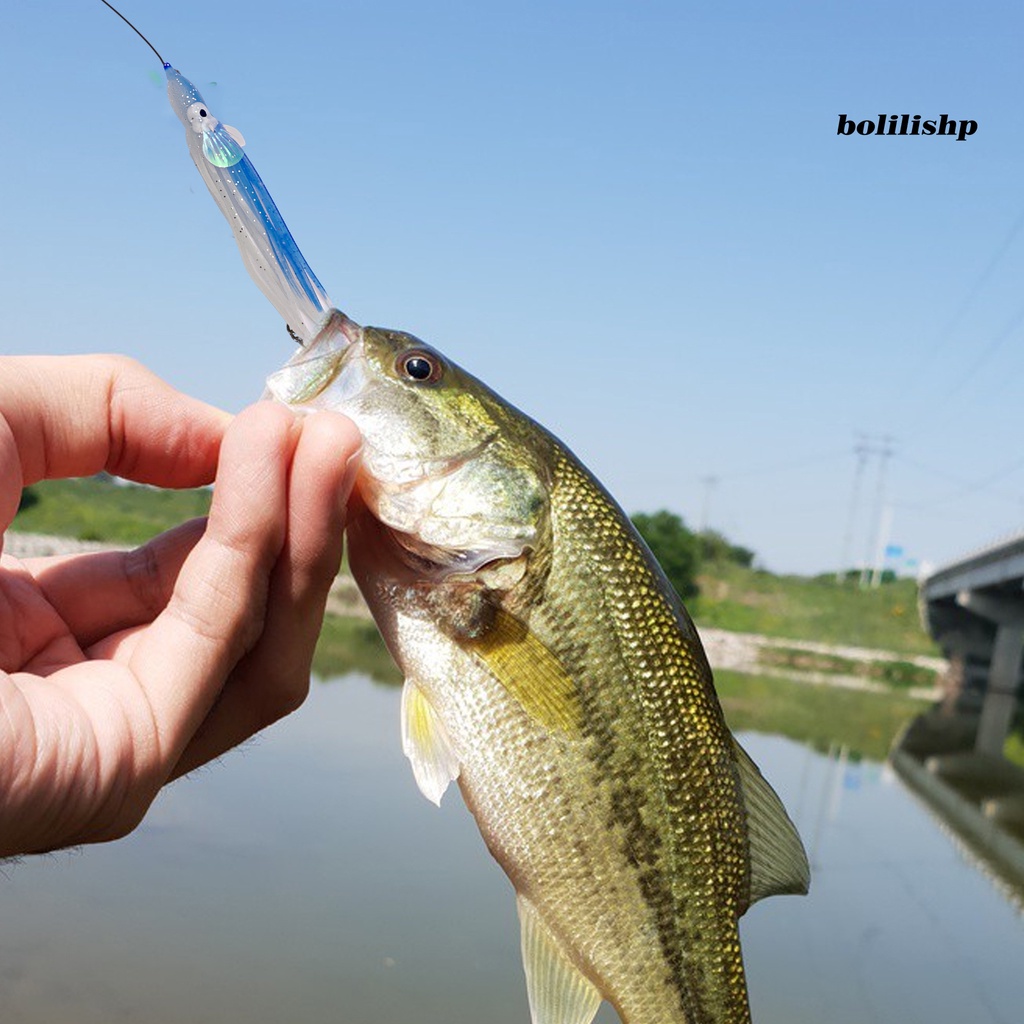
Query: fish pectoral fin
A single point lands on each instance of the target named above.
(778, 862)
(426, 743)
(558, 991)
(527, 668)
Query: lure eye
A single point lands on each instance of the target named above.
(200, 118)
(420, 367)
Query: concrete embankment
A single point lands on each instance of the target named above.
(752, 653)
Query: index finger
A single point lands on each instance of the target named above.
(77, 415)
(216, 611)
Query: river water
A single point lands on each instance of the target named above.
(305, 879)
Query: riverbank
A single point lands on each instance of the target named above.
(845, 666)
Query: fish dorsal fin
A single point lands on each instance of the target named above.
(778, 863)
(558, 991)
(521, 662)
(426, 743)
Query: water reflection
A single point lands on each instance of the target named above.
(306, 879)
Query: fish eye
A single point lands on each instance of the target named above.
(202, 113)
(420, 367)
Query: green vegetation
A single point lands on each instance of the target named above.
(716, 548)
(95, 508)
(1013, 750)
(675, 547)
(353, 645)
(897, 674)
(753, 601)
(818, 715)
(722, 589)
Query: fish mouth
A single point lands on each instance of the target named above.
(317, 364)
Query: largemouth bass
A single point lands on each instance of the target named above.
(550, 667)
(552, 670)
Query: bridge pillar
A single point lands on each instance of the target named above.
(1001, 693)
(1004, 669)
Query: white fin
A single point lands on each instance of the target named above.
(778, 863)
(425, 742)
(234, 133)
(559, 993)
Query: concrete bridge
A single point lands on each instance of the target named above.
(974, 608)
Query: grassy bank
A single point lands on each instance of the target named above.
(95, 508)
(800, 608)
(732, 597)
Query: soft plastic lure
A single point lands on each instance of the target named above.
(267, 247)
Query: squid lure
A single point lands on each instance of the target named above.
(268, 249)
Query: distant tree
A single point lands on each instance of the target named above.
(674, 546)
(714, 547)
(28, 499)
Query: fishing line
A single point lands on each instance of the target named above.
(137, 32)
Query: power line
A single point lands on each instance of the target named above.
(980, 281)
(964, 487)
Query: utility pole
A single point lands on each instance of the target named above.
(874, 551)
(861, 449)
(884, 531)
(710, 483)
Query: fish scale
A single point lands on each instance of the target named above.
(683, 736)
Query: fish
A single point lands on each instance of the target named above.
(552, 671)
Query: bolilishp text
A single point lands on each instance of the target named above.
(905, 124)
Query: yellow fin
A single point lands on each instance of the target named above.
(530, 672)
(558, 991)
(778, 863)
(425, 742)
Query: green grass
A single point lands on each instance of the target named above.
(817, 715)
(897, 674)
(799, 608)
(94, 508)
(353, 645)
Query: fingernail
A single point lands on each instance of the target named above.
(352, 464)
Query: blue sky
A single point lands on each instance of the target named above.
(635, 220)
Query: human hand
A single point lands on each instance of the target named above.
(121, 670)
